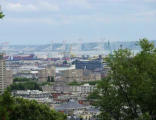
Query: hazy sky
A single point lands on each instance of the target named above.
(43, 21)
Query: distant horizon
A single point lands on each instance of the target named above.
(75, 42)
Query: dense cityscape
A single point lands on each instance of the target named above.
(87, 77)
(64, 83)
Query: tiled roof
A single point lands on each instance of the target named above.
(70, 105)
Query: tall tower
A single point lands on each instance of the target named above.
(3, 82)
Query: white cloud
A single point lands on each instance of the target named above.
(24, 7)
(20, 7)
(147, 14)
(127, 0)
(31, 20)
(43, 5)
(133, 13)
(79, 3)
(150, 0)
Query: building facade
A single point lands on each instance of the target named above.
(93, 65)
(46, 74)
(3, 82)
(83, 89)
(80, 75)
(9, 77)
(72, 75)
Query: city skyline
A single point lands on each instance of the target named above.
(40, 22)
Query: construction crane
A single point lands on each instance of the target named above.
(67, 53)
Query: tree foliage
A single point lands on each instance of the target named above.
(50, 79)
(1, 15)
(22, 79)
(129, 91)
(30, 85)
(21, 109)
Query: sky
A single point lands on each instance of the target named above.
(45, 21)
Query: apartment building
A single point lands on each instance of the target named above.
(83, 89)
(9, 77)
(3, 82)
(80, 75)
(47, 73)
(72, 75)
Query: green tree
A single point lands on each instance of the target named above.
(50, 79)
(30, 85)
(129, 91)
(22, 79)
(6, 105)
(1, 14)
(21, 109)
